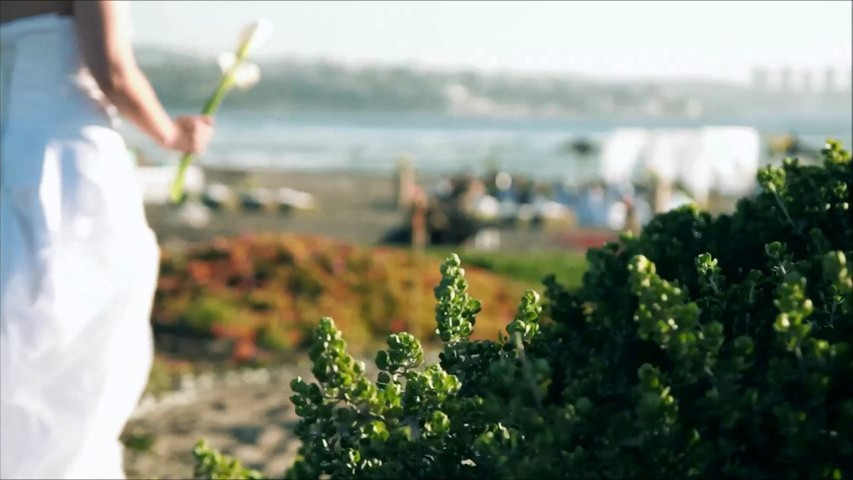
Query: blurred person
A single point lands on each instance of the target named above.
(78, 261)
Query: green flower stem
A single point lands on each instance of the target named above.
(210, 108)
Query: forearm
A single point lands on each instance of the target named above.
(135, 99)
(107, 52)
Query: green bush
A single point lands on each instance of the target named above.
(706, 347)
(213, 465)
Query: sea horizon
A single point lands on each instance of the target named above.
(439, 143)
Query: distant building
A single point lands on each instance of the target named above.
(829, 81)
(694, 108)
(785, 80)
(760, 79)
(789, 80)
(806, 82)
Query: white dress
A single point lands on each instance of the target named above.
(78, 264)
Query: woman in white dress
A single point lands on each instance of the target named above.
(78, 262)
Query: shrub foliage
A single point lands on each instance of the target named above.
(705, 347)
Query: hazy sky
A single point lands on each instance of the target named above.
(721, 40)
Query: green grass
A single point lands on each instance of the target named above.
(160, 377)
(526, 267)
(141, 442)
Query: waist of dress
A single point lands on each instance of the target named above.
(14, 29)
(43, 74)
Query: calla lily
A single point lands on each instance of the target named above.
(246, 75)
(236, 72)
(226, 61)
(254, 34)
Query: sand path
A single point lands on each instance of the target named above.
(245, 414)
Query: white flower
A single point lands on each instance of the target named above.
(226, 60)
(256, 33)
(246, 75)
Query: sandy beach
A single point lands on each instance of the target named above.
(354, 207)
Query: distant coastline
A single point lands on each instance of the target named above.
(321, 116)
(184, 81)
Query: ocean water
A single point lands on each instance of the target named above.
(440, 144)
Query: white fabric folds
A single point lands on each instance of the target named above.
(78, 264)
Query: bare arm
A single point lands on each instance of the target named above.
(108, 54)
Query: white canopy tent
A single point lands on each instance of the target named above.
(723, 159)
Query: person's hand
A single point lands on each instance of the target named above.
(191, 134)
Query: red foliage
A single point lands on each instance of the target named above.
(398, 325)
(244, 350)
(234, 330)
(283, 284)
(584, 240)
(200, 271)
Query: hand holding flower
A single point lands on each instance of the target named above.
(191, 134)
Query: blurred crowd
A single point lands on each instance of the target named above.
(639, 172)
